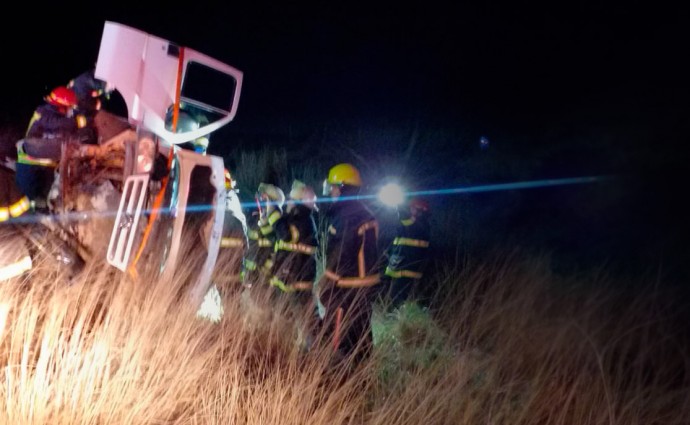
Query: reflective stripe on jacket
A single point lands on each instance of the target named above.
(295, 248)
(267, 226)
(259, 252)
(352, 282)
(409, 251)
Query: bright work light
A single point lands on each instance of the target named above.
(391, 195)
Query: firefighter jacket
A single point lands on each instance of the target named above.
(48, 122)
(38, 154)
(89, 91)
(295, 250)
(351, 251)
(409, 253)
(261, 244)
(51, 125)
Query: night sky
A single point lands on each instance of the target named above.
(499, 66)
(588, 88)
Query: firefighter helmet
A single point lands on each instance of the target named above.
(297, 191)
(303, 193)
(344, 174)
(86, 85)
(274, 194)
(419, 204)
(62, 96)
(89, 91)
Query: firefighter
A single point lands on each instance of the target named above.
(294, 270)
(408, 254)
(258, 262)
(295, 247)
(346, 290)
(14, 255)
(90, 91)
(233, 241)
(56, 118)
(38, 154)
(188, 121)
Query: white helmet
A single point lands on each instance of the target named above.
(304, 193)
(274, 194)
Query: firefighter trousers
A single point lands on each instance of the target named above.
(400, 290)
(346, 325)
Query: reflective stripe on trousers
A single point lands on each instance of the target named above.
(15, 210)
(232, 243)
(293, 287)
(403, 273)
(295, 247)
(419, 243)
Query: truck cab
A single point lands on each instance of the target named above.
(169, 191)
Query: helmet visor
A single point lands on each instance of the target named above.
(326, 191)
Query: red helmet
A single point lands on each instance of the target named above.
(419, 204)
(62, 96)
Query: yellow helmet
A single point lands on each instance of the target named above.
(344, 174)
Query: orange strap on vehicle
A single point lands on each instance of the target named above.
(152, 218)
(159, 198)
(178, 90)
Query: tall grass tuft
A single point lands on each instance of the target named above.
(261, 166)
(507, 342)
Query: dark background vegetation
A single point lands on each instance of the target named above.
(560, 90)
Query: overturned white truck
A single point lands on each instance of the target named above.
(162, 191)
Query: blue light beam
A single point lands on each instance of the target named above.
(531, 184)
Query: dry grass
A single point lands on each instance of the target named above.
(510, 344)
(263, 166)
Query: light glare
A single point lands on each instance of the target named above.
(391, 195)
